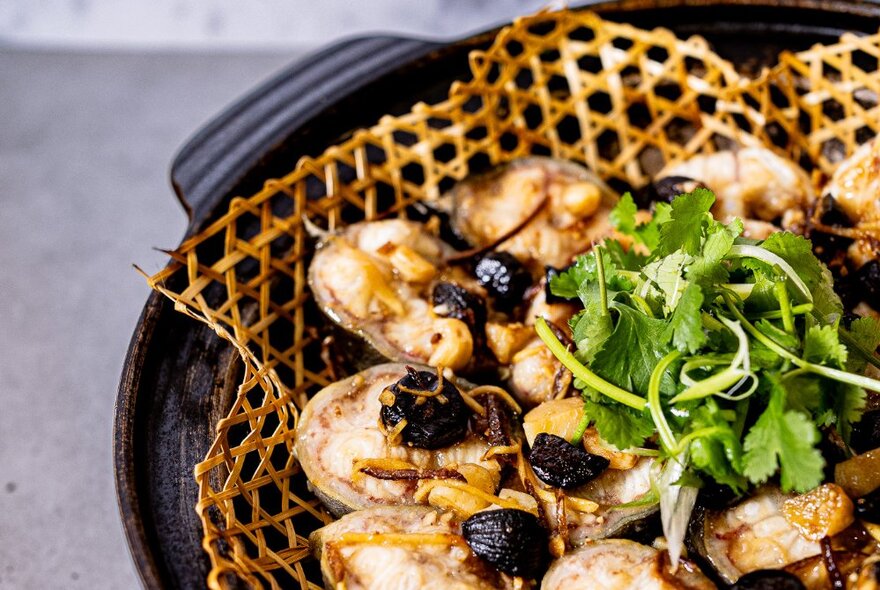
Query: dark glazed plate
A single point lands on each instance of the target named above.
(179, 377)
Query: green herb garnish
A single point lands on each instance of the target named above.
(691, 328)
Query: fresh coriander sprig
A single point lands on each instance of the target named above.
(751, 325)
(568, 360)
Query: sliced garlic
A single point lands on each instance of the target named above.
(411, 265)
(505, 340)
(581, 199)
(559, 417)
(620, 460)
(453, 344)
(821, 512)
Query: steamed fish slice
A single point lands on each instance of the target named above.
(618, 564)
(853, 189)
(752, 535)
(610, 490)
(626, 481)
(374, 280)
(856, 184)
(753, 184)
(340, 426)
(400, 548)
(485, 207)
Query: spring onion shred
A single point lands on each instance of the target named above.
(676, 505)
(734, 377)
(743, 251)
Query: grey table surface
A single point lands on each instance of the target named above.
(85, 145)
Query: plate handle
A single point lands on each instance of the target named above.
(220, 154)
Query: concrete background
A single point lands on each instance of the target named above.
(95, 98)
(238, 24)
(85, 144)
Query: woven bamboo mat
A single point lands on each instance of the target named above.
(622, 101)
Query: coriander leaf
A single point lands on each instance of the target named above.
(666, 273)
(689, 479)
(798, 252)
(735, 228)
(784, 440)
(684, 229)
(866, 331)
(618, 425)
(649, 233)
(631, 352)
(757, 266)
(805, 393)
(719, 454)
(623, 216)
(826, 302)
(614, 279)
(708, 268)
(763, 295)
(685, 327)
(567, 282)
(824, 418)
(622, 258)
(706, 272)
(849, 404)
(762, 357)
(822, 345)
(662, 213)
(593, 325)
(866, 334)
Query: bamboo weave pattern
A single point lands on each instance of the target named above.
(620, 100)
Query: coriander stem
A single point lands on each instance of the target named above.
(835, 374)
(842, 376)
(776, 314)
(667, 439)
(581, 429)
(852, 344)
(757, 334)
(600, 272)
(784, 306)
(642, 452)
(741, 412)
(711, 323)
(642, 304)
(583, 373)
(794, 373)
(692, 436)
